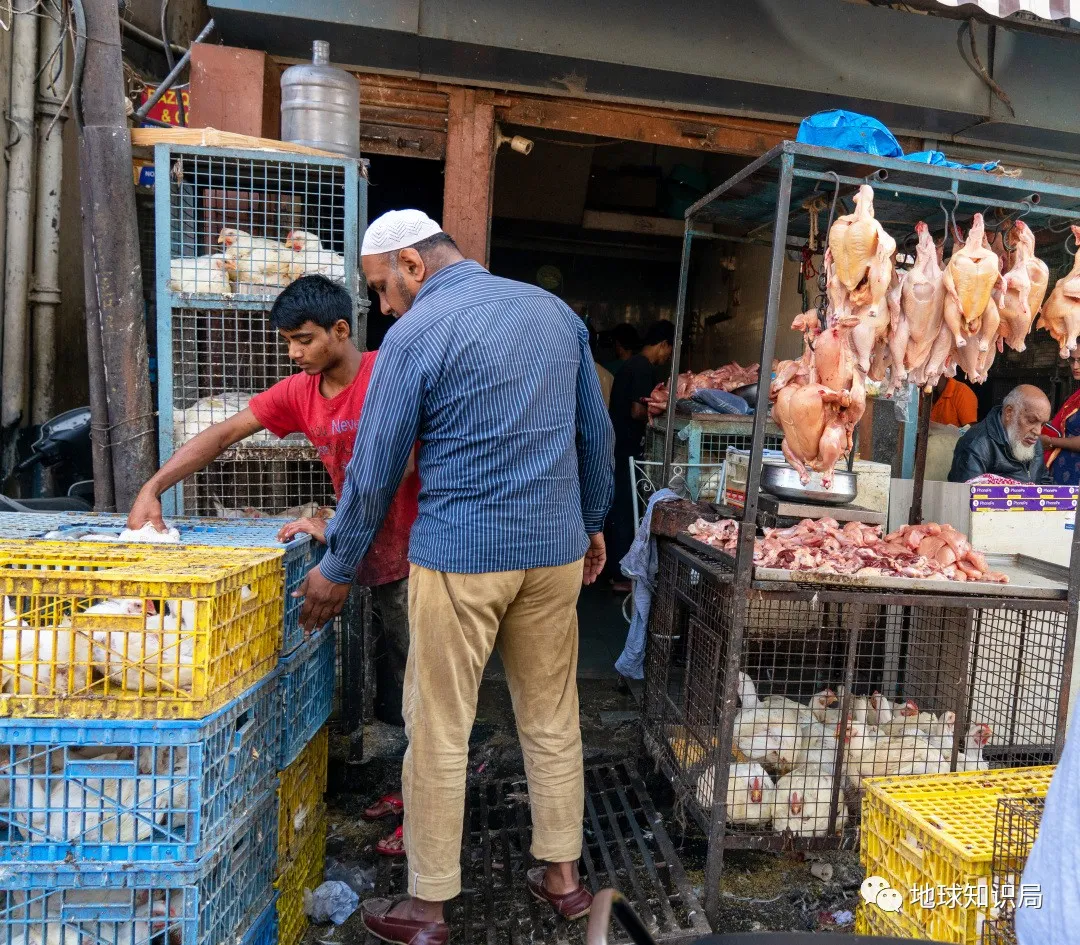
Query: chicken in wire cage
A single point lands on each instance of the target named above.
(246, 226)
(829, 689)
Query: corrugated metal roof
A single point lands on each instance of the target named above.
(1044, 9)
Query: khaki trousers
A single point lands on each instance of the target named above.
(455, 620)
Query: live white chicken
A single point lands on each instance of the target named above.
(750, 793)
(207, 274)
(255, 261)
(802, 802)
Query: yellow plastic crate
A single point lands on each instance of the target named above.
(301, 787)
(134, 632)
(936, 832)
(870, 920)
(304, 871)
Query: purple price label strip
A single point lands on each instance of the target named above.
(1023, 492)
(1023, 505)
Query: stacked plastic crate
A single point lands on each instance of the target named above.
(140, 725)
(304, 689)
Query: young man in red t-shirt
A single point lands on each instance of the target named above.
(323, 402)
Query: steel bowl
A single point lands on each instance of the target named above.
(747, 392)
(780, 480)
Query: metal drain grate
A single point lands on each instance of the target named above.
(626, 847)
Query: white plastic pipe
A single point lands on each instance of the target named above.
(45, 297)
(20, 202)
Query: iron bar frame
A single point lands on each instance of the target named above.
(975, 189)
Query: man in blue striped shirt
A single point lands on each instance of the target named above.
(496, 380)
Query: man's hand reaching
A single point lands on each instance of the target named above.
(315, 527)
(595, 558)
(323, 600)
(146, 508)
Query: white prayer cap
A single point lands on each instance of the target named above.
(398, 229)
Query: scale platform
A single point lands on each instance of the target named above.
(779, 513)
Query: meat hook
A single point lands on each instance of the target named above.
(950, 222)
(822, 300)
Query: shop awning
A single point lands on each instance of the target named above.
(1043, 9)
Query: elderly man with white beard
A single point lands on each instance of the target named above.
(1007, 441)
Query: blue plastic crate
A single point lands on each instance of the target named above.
(307, 693)
(206, 903)
(83, 791)
(264, 930)
(301, 554)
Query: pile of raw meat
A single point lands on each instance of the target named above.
(727, 378)
(896, 326)
(822, 546)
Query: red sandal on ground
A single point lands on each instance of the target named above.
(392, 845)
(385, 806)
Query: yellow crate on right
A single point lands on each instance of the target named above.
(304, 871)
(135, 631)
(931, 837)
(301, 787)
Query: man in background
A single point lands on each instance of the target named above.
(1008, 442)
(955, 403)
(633, 383)
(624, 339)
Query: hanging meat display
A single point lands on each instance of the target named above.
(894, 326)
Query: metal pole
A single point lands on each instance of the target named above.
(169, 80)
(744, 553)
(676, 352)
(114, 275)
(45, 295)
(104, 496)
(922, 438)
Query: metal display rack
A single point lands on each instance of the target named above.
(215, 347)
(961, 650)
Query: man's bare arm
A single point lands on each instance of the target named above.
(196, 454)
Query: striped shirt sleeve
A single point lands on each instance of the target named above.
(387, 432)
(595, 442)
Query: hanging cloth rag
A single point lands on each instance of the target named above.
(640, 566)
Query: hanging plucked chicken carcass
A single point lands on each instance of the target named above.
(928, 342)
(1025, 288)
(862, 252)
(970, 310)
(1061, 313)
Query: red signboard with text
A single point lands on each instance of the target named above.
(166, 109)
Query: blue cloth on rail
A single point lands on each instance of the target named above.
(496, 380)
(640, 566)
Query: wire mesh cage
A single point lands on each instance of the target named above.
(244, 224)
(1015, 830)
(707, 440)
(251, 482)
(831, 688)
(233, 228)
(221, 357)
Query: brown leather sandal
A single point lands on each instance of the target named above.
(375, 914)
(572, 905)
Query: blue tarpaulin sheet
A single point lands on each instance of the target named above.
(850, 131)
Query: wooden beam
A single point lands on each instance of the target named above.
(749, 137)
(469, 173)
(635, 223)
